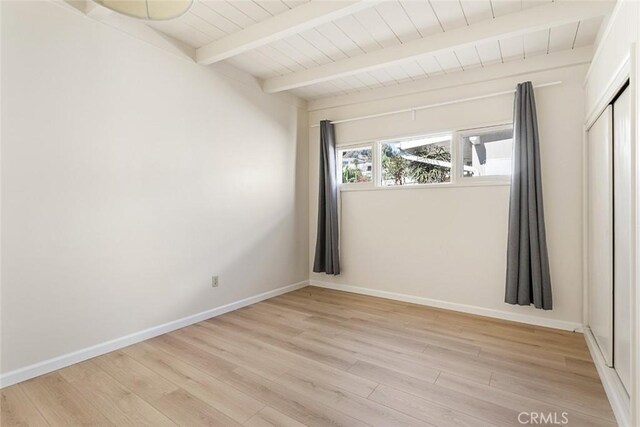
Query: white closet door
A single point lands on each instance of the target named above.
(600, 233)
(622, 237)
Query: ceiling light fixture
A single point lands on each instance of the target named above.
(152, 10)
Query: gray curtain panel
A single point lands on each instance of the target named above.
(528, 278)
(327, 257)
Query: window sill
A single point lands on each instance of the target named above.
(472, 183)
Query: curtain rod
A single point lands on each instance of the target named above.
(440, 104)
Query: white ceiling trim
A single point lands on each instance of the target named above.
(278, 27)
(515, 24)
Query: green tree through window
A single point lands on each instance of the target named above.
(424, 164)
(356, 165)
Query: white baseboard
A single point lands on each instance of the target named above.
(616, 392)
(488, 312)
(46, 366)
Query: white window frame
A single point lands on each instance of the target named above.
(457, 178)
(356, 185)
(460, 166)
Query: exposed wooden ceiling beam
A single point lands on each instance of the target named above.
(283, 25)
(535, 64)
(526, 21)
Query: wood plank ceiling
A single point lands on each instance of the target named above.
(387, 24)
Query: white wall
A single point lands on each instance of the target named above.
(449, 244)
(129, 178)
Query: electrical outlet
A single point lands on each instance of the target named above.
(214, 282)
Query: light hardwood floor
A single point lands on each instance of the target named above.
(322, 357)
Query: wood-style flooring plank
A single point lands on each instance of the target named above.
(323, 357)
(588, 401)
(482, 410)
(231, 402)
(207, 341)
(417, 363)
(362, 409)
(315, 351)
(269, 417)
(520, 403)
(115, 402)
(135, 376)
(207, 361)
(60, 403)
(288, 361)
(424, 410)
(186, 410)
(17, 410)
(283, 398)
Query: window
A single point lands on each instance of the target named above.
(356, 165)
(422, 160)
(481, 156)
(487, 152)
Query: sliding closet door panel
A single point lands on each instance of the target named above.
(622, 247)
(600, 233)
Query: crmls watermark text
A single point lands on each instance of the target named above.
(543, 418)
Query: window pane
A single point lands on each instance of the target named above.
(357, 165)
(421, 160)
(487, 153)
